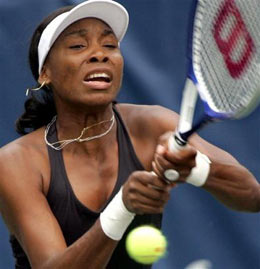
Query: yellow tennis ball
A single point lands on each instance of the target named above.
(146, 244)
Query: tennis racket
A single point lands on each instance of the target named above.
(224, 64)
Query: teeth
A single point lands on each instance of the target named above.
(98, 75)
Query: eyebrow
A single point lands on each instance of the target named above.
(107, 32)
(80, 32)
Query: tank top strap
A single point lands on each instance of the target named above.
(58, 182)
(126, 150)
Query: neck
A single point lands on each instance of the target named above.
(71, 122)
(86, 131)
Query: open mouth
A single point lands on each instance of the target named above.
(98, 77)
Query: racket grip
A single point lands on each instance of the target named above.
(176, 143)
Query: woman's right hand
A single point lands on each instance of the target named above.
(146, 193)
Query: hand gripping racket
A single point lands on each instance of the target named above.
(224, 64)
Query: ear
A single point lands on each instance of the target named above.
(44, 77)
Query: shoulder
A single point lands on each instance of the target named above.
(24, 159)
(148, 119)
(24, 146)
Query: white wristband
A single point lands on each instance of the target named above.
(116, 218)
(199, 173)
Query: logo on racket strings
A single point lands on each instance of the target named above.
(238, 43)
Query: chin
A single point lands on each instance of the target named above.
(99, 100)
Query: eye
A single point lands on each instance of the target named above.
(110, 46)
(78, 46)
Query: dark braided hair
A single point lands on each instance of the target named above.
(40, 107)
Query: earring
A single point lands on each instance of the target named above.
(35, 89)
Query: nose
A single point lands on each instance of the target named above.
(98, 56)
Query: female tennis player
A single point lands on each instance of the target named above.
(88, 169)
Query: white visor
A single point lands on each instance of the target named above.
(111, 12)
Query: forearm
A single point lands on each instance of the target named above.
(234, 186)
(92, 250)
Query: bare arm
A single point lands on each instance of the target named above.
(92, 250)
(29, 218)
(228, 181)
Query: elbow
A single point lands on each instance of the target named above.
(248, 200)
(257, 200)
(253, 201)
(252, 195)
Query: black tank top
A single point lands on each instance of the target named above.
(74, 218)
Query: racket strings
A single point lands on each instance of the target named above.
(225, 52)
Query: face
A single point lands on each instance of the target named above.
(85, 64)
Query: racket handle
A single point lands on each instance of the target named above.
(176, 143)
